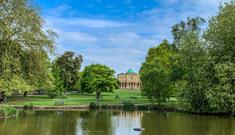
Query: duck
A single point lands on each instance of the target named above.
(139, 129)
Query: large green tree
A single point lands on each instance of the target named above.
(24, 48)
(98, 78)
(192, 58)
(65, 70)
(221, 65)
(155, 72)
(191, 55)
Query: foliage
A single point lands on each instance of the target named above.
(221, 39)
(8, 111)
(14, 84)
(53, 93)
(191, 56)
(93, 105)
(208, 60)
(24, 48)
(128, 105)
(179, 30)
(66, 71)
(202, 65)
(98, 78)
(155, 73)
(28, 107)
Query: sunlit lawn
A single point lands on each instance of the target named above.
(78, 99)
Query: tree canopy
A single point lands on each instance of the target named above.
(24, 48)
(65, 69)
(98, 78)
(202, 64)
(155, 72)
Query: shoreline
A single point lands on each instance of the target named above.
(135, 107)
(103, 106)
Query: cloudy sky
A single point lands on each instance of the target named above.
(118, 33)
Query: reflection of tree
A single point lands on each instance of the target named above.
(86, 123)
(41, 123)
(58, 123)
(65, 123)
(185, 124)
(96, 123)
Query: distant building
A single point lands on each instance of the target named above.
(129, 80)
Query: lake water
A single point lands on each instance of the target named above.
(115, 123)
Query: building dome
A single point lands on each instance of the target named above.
(130, 71)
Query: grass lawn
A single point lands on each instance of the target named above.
(78, 99)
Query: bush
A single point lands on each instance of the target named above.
(127, 104)
(8, 111)
(64, 96)
(143, 107)
(53, 93)
(93, 105)
(28, 107)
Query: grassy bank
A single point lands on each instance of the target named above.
(117, 97)
(7, 111)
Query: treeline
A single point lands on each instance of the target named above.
(95, 78)
(25, 48)
(198, 67)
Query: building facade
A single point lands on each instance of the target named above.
(129, 80)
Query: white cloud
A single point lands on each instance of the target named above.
(130, 39)
(77, 37)
(85, 22)
(118, 58)
(121, 44)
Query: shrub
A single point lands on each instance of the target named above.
(93, 105)
(64, 96)
(8, 111)
(143, 107)
(28, 107)
(127, 105)
(53, 93)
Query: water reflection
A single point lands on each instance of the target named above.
(186, 124)
(115, 123)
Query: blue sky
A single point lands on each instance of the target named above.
(118, 33)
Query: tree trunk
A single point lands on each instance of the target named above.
(2, 97)
(25, 94)
(97, 97)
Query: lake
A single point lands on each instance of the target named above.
(115, 123)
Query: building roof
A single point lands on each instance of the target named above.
(130, 71)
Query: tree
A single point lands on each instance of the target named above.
(179, 30)
(98, 78)
(220, 72)
(24, 47)
(191, 56)
(35, 66)
(155, 72)
(65, 70)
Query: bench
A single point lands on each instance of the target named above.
(60, 102)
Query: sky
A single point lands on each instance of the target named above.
(118, 33)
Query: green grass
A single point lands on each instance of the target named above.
(78, 99)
